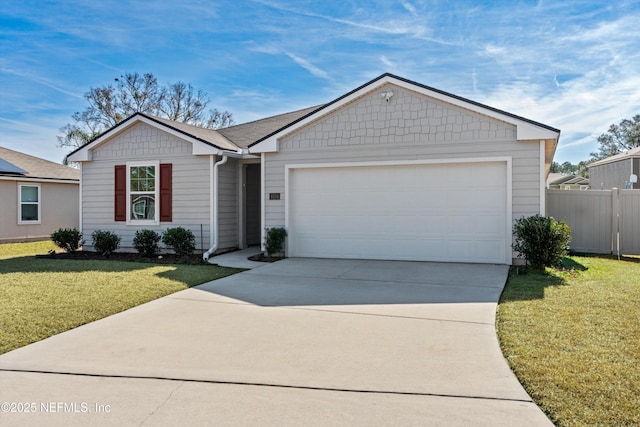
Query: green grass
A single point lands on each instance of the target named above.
(41, 297)
(573, 339)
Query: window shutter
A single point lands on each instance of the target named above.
(166, 198)
(120, 200)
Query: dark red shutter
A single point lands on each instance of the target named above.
(120, 200)
(166, 199)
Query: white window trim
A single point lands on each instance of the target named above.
(39, 220)
(156, 220)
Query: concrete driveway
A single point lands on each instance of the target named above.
(297, 342)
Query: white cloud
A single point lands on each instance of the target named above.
(39, 80)
(36, 139)
(409, 7)
(316, 71)
(387, 63)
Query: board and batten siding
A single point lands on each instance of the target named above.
(190, 192)
(610, 175)
(410, 127)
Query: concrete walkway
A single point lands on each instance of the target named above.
(297, 342)
(238, 259)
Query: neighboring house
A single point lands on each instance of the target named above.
(36, 197)
(560, 181)
(616, 171)
(391, 170)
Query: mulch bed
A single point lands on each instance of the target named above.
(136, 257)
(265, 258)
(123, 256)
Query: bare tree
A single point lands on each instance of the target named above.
(132, 93)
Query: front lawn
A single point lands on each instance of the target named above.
(573, 339)
(40, 297)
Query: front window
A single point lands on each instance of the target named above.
(142, 188)
(29, 206)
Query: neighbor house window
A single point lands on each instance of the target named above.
(143, 193)
(29, 204)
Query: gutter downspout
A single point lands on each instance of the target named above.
(213, 229)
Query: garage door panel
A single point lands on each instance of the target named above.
(461, 224)
(411, 212)
(490, 224)
(489, 197)
(485, 249)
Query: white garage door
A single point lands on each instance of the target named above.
(434, 212)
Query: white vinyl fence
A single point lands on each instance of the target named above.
(601, 221)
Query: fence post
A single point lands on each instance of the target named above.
(615, 221)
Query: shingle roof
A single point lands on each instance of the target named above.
(211, 136)
(247, 133)
(634, 152)
(559, 179)
(238, 136)
(36, 167)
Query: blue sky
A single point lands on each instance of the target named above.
(574, 65)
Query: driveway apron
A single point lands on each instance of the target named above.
(296, 342)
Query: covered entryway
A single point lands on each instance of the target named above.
(454, 212)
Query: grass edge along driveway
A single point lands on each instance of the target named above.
(41, 297)
(571, 337)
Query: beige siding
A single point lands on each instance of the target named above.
(410, 127)
(59, 209)
(191, 178)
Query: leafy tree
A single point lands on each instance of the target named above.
(132, 93)
(621, 137)
(571, 169)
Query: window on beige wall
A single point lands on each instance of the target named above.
(29, 204)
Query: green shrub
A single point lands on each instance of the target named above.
(274, 240)
(105, 242)
(181, 240)
(146, 242)
(67, 239)
(542, 241)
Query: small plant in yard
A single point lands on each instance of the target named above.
(181, 240)
(274, 240)
(146, 243)
(542, 241)
(67, 239)
(105, 242)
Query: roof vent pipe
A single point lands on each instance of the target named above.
(213, 196)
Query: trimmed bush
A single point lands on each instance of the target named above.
(67, 239)
(181, 240)
(542, 241)
(105, 242)
(146, 243)
(274, 240)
